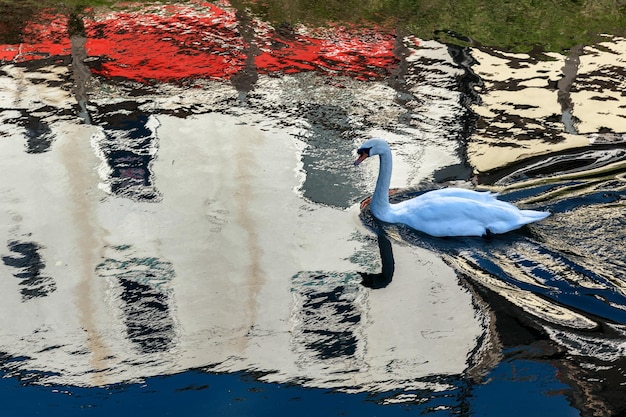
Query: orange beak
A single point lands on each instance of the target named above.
(361, 158)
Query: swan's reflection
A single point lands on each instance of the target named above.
(381, 279)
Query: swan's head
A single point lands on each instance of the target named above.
(370, 148)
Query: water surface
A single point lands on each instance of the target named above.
(187, 233)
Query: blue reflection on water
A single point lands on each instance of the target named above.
(513, 388)
(189, 393)
(522, 388)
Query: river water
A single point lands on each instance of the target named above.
(184, 234)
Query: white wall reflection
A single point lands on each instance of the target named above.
(226, 266)
(523, 112)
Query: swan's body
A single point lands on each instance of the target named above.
(445, 212)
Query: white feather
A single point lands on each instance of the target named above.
(445, 212)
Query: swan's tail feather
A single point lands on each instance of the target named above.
(534, 215)
(523, 217)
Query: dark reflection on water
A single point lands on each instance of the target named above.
(330, 134)
(142, 285)
(516, 387)
(38, 134)
(330, 343)
(385, 276)
(128, 147)
(556, 289)
(327, 316)
(197, 392)
(148, 323)
(27, 261)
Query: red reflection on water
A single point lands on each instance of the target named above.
(176, 42)
(44, 37)
(167, 43)
(363, 55)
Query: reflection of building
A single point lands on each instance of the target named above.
(26, 260)
(539, 105)
(207, 274)
(127, 144)
(328, 316)
(142, 289)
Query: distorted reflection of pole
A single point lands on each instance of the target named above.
(80, 72)
(382, 279)
(245, 80)
(564, 97)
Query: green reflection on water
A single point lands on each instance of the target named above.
(515, 25)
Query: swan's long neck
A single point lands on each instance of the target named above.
(380, 201)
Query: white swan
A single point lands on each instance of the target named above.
(445, 212)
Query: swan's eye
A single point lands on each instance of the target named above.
(365, 151)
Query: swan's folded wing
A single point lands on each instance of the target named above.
(485, 196)
(451, 215)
